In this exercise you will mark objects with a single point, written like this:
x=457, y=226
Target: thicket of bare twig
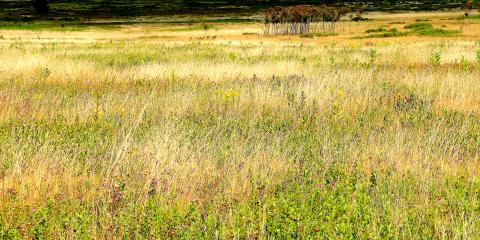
x=302, y=19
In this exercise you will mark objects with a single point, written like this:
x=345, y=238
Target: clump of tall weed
x=407, y=105
x=285, y=83
x=296, y=101
x=402, y=98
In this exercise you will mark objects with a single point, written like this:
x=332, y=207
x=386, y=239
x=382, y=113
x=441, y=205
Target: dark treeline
x=106, y=8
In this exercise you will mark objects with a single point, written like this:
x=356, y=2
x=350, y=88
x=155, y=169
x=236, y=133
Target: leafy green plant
x=477, y=55
x=232, y=56
x=372, y=54
x=464, y=63
x=435, y=58
x=45, y=73
x=332, y=60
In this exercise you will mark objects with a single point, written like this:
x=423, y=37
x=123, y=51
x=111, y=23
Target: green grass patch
x=419, y=29
x=422, y=20
x=426, y=29
x=322, y=34
x=374, y=30
x=385, y=34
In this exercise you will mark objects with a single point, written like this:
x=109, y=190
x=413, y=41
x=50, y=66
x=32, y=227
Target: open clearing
x=168, y=130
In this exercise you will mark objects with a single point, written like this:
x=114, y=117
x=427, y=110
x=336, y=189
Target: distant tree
x=468, y=5
x=41, y=6
x=302, y=19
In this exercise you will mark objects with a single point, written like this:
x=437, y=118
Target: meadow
x=207, y=129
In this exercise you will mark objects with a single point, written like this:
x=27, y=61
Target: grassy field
x=165, y=130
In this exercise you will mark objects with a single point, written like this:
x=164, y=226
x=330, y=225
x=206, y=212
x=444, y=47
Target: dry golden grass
x=108, y=123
